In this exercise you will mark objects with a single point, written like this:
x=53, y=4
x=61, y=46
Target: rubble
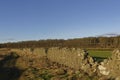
x=111, y=67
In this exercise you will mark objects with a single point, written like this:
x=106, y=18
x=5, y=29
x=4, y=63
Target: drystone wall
x=77, y=59
x=74, y=58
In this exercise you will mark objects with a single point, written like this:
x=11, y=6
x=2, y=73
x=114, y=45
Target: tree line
x=88, y=42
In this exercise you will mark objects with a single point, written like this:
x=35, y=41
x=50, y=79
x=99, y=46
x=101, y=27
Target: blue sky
x=57, y=19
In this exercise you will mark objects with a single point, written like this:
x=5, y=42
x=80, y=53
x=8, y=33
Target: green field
x=100, y=55
x=103, y=54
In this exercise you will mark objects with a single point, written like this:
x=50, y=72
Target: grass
x=100, y=55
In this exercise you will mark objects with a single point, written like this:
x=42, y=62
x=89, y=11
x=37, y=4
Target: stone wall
x=77, y=59
x=74, y=58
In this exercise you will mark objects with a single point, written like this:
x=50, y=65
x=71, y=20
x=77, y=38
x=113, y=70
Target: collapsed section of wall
x=111, y=67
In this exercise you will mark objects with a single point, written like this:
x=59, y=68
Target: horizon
x=108, y=35
x=64, y=19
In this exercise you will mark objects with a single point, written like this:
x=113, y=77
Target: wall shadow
x=8, y=71
x=99, y=59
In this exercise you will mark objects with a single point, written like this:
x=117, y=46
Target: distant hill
x=109, y=35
